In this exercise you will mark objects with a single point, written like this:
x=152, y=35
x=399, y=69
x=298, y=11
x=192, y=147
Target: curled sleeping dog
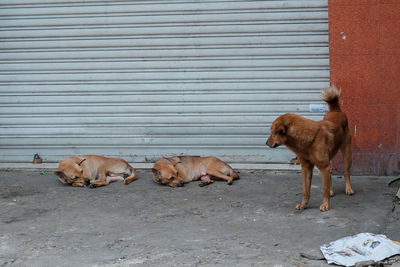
x=177, y=171
x=94, y=171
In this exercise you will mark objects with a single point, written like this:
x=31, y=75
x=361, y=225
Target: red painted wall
x=364, y=40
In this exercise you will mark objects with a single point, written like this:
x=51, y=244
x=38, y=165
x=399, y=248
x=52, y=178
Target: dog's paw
x=331, y=193
x=324, y=207
x=92, y=186
x=349, y=191
x=301, y=206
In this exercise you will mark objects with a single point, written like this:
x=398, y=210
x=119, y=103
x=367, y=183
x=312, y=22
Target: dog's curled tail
x=331, y=96
x=133, y=176
x=234, y=175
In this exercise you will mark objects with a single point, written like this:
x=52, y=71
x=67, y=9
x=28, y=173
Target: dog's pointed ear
x=281, y=130
x=156, y=173
x=61, y=176
x=175, y=160
x=81, y=161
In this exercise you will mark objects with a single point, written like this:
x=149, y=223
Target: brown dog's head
x=70, y=171
x=278, y=133
x=165, y=173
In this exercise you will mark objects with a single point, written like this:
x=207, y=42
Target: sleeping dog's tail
x=331, y=97
x=132, y=177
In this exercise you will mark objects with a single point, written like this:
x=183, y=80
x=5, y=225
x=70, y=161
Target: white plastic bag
x=349, y=250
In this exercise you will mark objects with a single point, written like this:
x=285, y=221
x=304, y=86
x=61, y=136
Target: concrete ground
x=251, y=223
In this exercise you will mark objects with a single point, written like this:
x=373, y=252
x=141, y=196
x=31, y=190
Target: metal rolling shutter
x=145, y=79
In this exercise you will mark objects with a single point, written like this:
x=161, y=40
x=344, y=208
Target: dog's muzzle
x=274, y=145
x=180, y=184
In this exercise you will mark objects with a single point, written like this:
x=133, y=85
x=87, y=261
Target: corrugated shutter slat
x=146, y=79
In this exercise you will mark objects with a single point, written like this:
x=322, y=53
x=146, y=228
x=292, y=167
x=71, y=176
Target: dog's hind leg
x=331, y=193
x=347, y=158
x=114, y=178
x=219, y=174
x=306, y=175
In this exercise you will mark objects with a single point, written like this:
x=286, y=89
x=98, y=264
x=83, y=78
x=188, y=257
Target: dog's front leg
x=98, y=183
x=306, y=175
x=77, y=184
x=99, y=179
x=326, y=187
x=183, y=178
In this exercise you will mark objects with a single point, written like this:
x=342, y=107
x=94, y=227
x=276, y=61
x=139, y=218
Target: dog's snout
x=268, y=143
x=274, y=145
x=271, y=143
x=180, y=184
x=87, y=181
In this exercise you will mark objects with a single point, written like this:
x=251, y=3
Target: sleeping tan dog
x=177, y=171
x=94, y=171
x=315, y=144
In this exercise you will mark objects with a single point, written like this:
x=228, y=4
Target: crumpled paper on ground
x=349, y=250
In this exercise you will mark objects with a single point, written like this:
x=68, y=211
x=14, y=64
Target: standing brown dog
x=177, y=171
x=94, y=171
x=315, y=144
